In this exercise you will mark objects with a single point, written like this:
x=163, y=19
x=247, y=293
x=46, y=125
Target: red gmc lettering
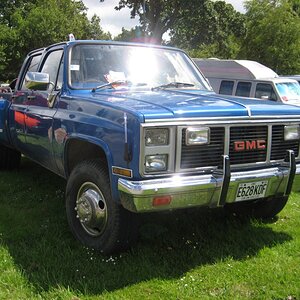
x=249, y=145
x=239, y=146
x=261, y=144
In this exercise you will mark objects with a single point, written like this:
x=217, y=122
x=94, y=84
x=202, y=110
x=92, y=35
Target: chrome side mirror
x=37, y=81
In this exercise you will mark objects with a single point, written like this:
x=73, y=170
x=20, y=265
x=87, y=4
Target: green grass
x=198, y=254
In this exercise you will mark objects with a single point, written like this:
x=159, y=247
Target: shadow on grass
x=35, y=231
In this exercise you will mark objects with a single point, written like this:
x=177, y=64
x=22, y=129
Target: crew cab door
x=19, y=104
x=40, y=112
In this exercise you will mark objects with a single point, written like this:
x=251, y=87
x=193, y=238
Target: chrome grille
x=201, y=156
x=279, y=145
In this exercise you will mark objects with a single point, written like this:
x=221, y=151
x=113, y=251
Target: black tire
x=9, y=158
x=259, y=209
x=95, y=219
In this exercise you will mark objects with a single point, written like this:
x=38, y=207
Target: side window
x=243, y=89
x=265, y=91
x=226, y=87
x=32, y=67
x=51, y=66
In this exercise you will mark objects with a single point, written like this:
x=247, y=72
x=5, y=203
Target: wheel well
x=78, y=151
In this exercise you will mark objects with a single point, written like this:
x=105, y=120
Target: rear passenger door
x=40, y=115
x=19, y=104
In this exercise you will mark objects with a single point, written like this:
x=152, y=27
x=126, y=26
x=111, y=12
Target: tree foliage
x=27, y=25
x=96, y=32
x=156, y=16
x=268, y=32
x=273, y=34
x=193, y=24
x=135, y=34
x=209, y=28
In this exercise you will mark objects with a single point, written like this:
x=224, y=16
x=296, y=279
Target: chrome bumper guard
x=215, y=189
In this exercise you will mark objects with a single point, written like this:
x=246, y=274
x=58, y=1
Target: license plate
x=251, y=190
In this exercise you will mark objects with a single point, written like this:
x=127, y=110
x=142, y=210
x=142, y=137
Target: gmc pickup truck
x=135, y=128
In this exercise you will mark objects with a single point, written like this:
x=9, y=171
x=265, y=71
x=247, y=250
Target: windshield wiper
x=117, y=83
x=173, y=84
x=109, y=85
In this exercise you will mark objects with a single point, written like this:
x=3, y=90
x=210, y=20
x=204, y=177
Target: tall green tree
x=96, y=32
x=156, y=16
x=273, y=34
x=8, y=7
x=209, y=28
x=192, y=23
x=38, y=23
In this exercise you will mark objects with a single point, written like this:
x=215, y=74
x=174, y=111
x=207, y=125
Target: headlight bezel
x=155, y=133
x=167, y=148
x=198, y=131
x=159, y=158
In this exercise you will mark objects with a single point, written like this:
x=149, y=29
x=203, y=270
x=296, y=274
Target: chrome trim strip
x=178, y=148
x=227, y=140
x=212, y=120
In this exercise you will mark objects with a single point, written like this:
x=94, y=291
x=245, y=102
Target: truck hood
x=169, y=104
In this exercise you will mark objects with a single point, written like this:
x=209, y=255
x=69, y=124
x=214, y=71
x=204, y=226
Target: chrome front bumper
x=215, y=189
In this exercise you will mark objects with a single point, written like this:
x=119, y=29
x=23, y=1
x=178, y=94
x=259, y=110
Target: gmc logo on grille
x=249, y=145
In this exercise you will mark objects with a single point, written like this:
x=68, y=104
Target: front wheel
x=259, y=209
x=95, y=219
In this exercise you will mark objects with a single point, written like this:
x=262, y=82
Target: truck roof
x=233, y=69
x=109, y=42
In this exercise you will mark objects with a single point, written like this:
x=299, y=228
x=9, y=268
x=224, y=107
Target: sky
x=113, y=20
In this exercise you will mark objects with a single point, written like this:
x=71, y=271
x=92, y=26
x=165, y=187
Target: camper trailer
x=246, y=78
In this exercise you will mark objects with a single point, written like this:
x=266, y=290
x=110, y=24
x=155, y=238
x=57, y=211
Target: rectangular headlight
x=156, y=163
x=197, y=136
x=291, y=132
x=157, y=136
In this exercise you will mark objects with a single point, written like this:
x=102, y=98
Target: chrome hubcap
x=91, y=209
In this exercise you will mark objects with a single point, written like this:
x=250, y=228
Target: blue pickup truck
x=135, y=128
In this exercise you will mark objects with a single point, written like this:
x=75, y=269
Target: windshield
x=93, y=65
x=289, y=91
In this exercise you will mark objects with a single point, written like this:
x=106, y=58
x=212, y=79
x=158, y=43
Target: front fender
x=81, y=147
